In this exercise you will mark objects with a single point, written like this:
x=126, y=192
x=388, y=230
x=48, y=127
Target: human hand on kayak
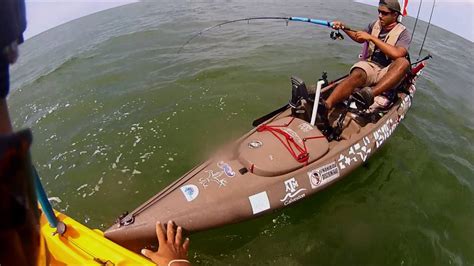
x=172, y=250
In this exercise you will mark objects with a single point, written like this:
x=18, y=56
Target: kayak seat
x=269, y=152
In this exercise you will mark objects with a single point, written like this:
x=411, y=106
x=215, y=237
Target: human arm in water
x=172, y=250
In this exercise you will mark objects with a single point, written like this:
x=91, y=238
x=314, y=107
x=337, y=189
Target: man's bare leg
x=5, y=123
x=356, y=79
x=396, y=72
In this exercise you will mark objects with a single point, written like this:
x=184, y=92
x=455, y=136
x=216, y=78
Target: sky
x=46, y=14
x=453, y=15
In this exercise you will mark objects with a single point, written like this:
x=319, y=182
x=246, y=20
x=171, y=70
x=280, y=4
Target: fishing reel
x=336, y=35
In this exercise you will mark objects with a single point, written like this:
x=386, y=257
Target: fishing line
x=416, y=21
x=427, y=28
x=223, y=23
x=334, y=35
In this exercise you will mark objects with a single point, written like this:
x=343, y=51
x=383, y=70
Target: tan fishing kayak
x=280, y=162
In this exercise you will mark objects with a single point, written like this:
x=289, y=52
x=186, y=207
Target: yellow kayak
x=80, y=245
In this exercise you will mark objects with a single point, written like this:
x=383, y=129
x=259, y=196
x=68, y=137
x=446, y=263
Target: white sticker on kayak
x=259, y=202
x=384, y=132
x=190, y=192
x=323, y=174
x=360, y=151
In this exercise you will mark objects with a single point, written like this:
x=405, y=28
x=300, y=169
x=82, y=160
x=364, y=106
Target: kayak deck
x=80, y=245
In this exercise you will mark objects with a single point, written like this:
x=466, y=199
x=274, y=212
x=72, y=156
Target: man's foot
x=322, y=118
x=363, y=98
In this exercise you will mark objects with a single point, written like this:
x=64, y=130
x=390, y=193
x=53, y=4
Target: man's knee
x=402, y=64
x=359, y=75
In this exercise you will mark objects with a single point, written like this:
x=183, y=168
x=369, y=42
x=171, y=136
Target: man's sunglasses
x=384, y=13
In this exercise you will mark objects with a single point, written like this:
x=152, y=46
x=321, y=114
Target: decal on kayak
x=213, y=177
x=226, y=168
x=259, y=202
x=293, y=134
x=190, y=192
x=358, y=151
x=404, y=106
x=384, y=132
x=305, y=127
x=323, y=174
x=292, y=192
x=254, y=144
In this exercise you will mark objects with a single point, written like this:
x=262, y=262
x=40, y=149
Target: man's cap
x=391, y=4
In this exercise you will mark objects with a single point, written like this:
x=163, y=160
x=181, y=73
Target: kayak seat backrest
x=264, y=152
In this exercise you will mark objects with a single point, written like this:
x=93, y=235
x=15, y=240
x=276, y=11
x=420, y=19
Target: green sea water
x=117, y=115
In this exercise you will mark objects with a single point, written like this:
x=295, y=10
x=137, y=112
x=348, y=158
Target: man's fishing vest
x=391, y=38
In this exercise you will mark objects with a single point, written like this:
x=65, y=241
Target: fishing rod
x=427, y=28
x=335, y=35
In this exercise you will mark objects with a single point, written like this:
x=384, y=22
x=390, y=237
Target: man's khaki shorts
x=374, y=72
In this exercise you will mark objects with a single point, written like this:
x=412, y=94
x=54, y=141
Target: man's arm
x=393, y=52
x=338, y=25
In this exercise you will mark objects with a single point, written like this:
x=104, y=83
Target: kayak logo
x=190, y=192
x=255, y=144
x=292, y=192
x=323, y=174
x=226, y=168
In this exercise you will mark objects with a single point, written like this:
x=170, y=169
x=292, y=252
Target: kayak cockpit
x=282, y=146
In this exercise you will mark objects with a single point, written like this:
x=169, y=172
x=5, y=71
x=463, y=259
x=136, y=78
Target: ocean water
x=117, y=115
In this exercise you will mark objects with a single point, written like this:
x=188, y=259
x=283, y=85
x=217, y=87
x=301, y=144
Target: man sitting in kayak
x=385, y=65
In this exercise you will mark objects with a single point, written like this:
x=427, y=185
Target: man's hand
x=358, y=36
x=362, y=36
x=338, y=25
x=171, y=246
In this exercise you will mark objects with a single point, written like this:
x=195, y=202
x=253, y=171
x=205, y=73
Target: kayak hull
x=241, y=183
